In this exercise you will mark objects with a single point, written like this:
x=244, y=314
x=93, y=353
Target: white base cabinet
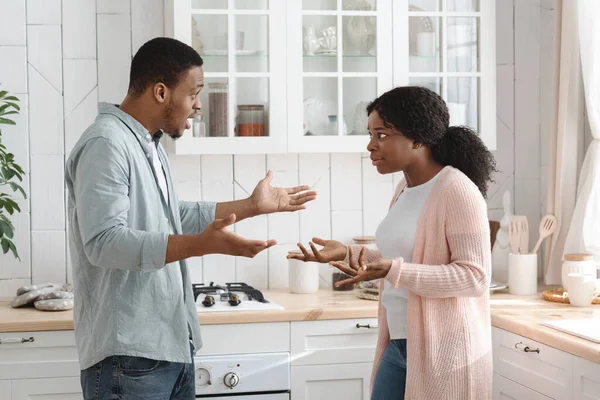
x=334, y=381
x=528, y=370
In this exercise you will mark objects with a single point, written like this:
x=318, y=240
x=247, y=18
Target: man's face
x=182, y=103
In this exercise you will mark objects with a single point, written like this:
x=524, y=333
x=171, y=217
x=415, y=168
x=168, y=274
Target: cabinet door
x=449, y=47
x=505, y=389
x=542, y=368
x=338, y=341
x=244, y=99
x=47, y=389
x=331, y=382
x=339, y=59
x=586, y=379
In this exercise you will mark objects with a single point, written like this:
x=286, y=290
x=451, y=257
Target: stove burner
x=227, y=293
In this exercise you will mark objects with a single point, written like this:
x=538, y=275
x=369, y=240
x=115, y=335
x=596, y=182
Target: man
x=135, y=318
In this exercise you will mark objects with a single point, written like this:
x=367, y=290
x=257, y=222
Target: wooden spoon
x=513, y=235
x=547, y=228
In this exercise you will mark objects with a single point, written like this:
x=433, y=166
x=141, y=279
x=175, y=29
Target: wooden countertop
x=521, y=315
x=323, y=305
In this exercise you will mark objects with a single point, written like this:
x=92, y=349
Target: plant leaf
x=7, y=228
x=7, y=121
x=5, y=245
x=3, y=93
x=11, y=98
x=16, y=187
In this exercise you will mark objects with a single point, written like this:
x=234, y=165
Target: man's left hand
x=267, y=199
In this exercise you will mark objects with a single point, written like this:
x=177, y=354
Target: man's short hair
x=161, y=60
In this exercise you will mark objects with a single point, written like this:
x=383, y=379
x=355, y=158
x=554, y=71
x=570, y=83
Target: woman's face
x=390, y=150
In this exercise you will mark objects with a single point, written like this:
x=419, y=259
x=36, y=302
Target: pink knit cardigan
x=449, y=344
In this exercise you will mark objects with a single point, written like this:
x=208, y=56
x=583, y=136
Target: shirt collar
x=133, y=124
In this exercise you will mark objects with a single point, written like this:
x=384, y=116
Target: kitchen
x=61, y=58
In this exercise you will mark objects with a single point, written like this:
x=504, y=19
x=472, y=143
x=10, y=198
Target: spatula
x=513, y=235
x=547, y=228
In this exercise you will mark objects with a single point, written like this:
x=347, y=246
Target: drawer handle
x=526, y=349
x=17, y=340
x=368, y=326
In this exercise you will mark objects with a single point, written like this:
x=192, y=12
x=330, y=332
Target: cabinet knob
x=17, y=340
x=526, y=349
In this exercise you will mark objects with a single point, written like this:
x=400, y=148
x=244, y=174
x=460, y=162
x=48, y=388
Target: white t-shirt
x=162, y=183
x=396, y=238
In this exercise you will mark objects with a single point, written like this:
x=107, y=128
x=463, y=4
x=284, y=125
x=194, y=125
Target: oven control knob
x=208, y=301
x=231, y=380
x=234, y=300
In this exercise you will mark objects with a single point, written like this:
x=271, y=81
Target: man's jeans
x=125, y=378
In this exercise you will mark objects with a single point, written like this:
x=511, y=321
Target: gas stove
x=234, y=296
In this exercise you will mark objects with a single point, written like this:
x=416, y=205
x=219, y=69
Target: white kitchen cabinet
x=505, y=389
x=315, y=64
x=243, y=49
x=337, y=341
x=586, y=379
x=335, y=381
x=539, y=367
x=68, y=388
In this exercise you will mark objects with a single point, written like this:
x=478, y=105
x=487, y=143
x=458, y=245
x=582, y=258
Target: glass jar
x=218, y=93
x=365, y=241
x=251, y=120
x=198, y=126
x=583, y=264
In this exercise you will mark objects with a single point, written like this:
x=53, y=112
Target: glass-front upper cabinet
x=339, y=58
x=244, y=99
x=449, y=46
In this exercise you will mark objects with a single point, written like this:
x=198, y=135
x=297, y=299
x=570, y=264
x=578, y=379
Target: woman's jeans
x=390, y=381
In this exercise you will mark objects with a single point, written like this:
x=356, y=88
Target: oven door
x=267, y=396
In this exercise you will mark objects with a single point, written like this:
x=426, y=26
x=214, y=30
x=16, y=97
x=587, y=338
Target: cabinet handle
x=526, y=349
x=17, y=340
x=368, y=326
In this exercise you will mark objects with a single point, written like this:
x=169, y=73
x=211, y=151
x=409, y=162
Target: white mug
x=582, y=289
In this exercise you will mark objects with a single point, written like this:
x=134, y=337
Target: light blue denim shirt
x=127, y=301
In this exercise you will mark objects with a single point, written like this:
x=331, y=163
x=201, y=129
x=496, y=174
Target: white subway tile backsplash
x=284, y=227
x=16, y=137
x=47, y=193
x=253, y=271
x=113, y=6
x=278, y=266
x=114, y=56
x=12, y=27
x=44, y=12
x=346, y=225
x=45, y=116
x=147, y=22
x=196, y=269
x=80, y=119
x=218, y=268
x=504, y=32
x=316, y=220
x=217, y=178
x=48, y=256
x=79, y=29
x=8, y=287
x=185, y=168
x=44, y=53
x=188, y=190
x=13, y=68
x=346, y=192
x=11, y=267
x=81, y=78
x=377, y=192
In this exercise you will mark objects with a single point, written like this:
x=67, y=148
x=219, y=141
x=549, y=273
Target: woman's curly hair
x=422, y=115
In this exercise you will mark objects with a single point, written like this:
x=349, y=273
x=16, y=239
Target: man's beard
x=172, y=132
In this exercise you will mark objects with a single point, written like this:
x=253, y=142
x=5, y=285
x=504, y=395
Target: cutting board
x=588, y=328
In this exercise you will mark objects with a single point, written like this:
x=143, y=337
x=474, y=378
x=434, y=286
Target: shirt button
x=147, y=155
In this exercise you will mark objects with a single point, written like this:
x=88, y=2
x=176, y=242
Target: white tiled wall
x=61, y=56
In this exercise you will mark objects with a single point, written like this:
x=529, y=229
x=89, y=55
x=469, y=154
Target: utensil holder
x=522, y=273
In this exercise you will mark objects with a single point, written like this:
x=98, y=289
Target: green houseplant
x=10, y=173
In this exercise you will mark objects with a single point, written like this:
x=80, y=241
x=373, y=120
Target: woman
x=434, y=253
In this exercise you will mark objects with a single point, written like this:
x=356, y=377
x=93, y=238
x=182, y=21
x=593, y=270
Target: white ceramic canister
x=303, y=276
x=577, y=263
